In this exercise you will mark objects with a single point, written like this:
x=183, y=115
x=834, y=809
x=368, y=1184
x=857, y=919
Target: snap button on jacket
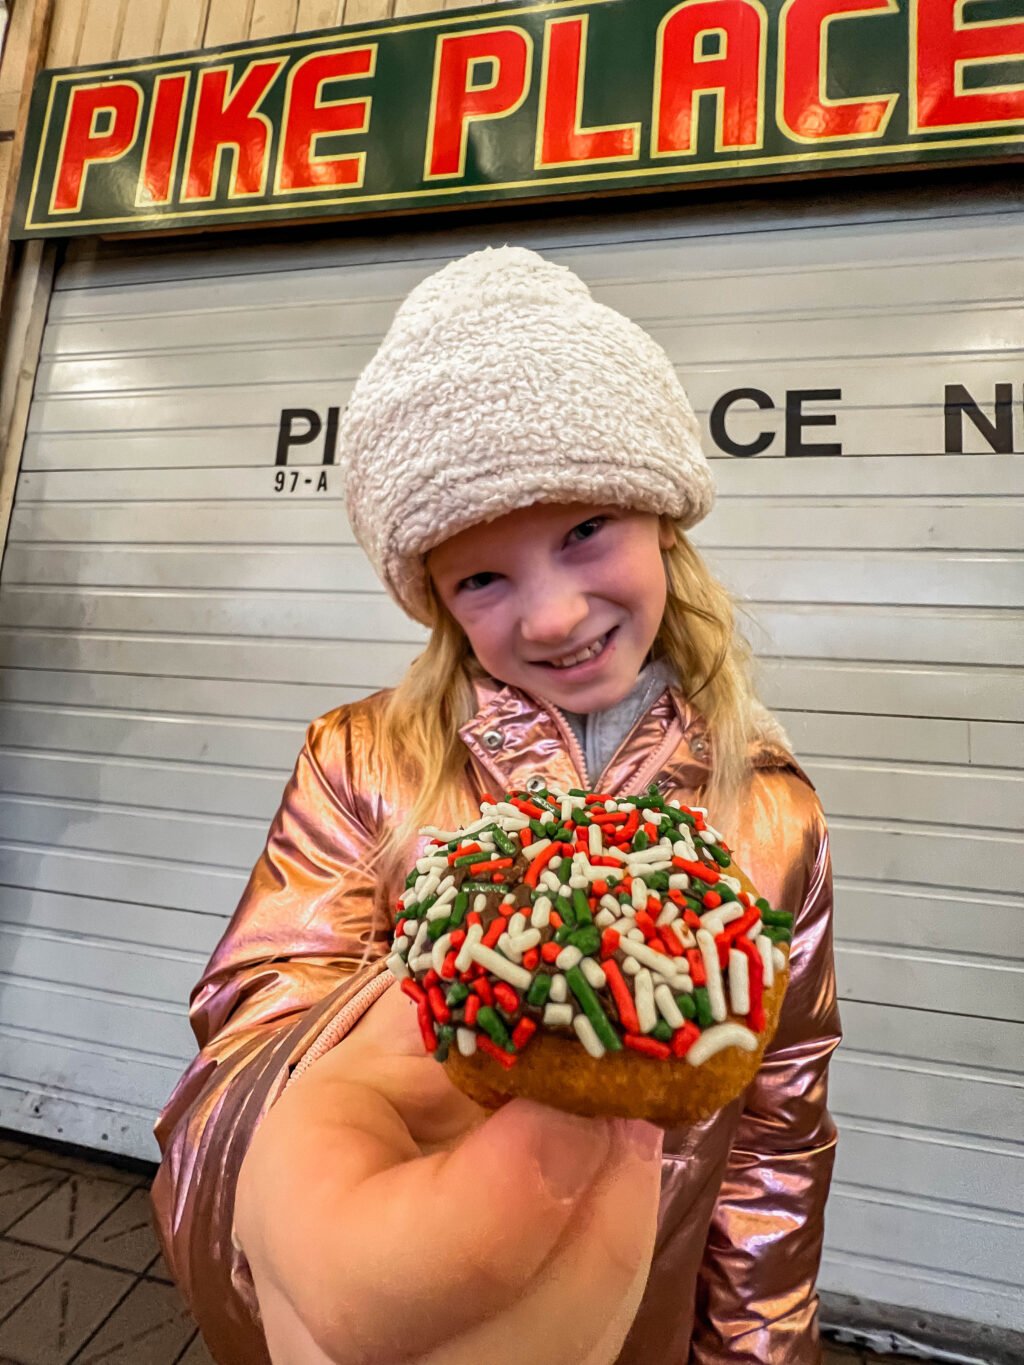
x=740, y=1220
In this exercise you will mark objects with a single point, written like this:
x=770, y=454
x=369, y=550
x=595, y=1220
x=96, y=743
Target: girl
x=521, y=464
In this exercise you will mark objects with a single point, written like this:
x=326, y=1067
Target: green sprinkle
x=581, y=906
x=780, y=918
x=540, y=988
x=564, y=907
x=726, y=892
x=564, y=870
x=656, y=881
x=473, y=887
x=640, y=840
x=587, y=938
x=583, y=820
x=445, y=1035
x=575, y=791
x=762, y=904
x=412, y=879
x=468, y=859
x=702, y=1003
x=494, y=1028
x=504, y=843
x=584, y=993
x=437, y=928
x=564, y=934
x=424, y=906
x=457, y=994
x=777, y=934
x=459, y=909
x=719, y=854
x=538, y=829
x=686, y=1006
x=662, y=1031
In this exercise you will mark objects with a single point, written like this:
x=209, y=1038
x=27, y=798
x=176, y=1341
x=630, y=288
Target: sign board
x=520, y=102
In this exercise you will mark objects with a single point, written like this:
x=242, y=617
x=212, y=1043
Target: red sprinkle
x=622, y=996
x=691, y=919
x=448, y=966
x=426, y=1026
x=506, y=1059
x=497, y=928
x=646, y=925
x=490, y=865
x=555, y=919
x=484, y=990
x=474, y=917
x=649, y=1047
x=722, y=944
x=539, y=863
x=739, y=927
x=473, y=1003
x=703, y=871
x=526, y=837
x=464, y=852
x=458, y=938
x=531, y=959
x=711, y=900
x=523, y=1032
x=599, y=889
x=431, y=978
x=549, y=951
x=506, y=997
x=610, y=941
x=671, y=940
x=413, y=990
x=598, y=799
x=438, y=1008
x=700, y=976
x=684, y=1038
x=755, y=1019
x=651, y=830
x=528, y=808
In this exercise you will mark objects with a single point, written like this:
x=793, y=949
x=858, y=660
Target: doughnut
x=603, y=955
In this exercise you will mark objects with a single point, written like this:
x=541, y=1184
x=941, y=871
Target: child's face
x=540, y=585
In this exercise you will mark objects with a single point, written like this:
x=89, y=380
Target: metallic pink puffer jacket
x=743, y=1193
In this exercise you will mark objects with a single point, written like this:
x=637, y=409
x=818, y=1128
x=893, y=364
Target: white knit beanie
x=501, y=383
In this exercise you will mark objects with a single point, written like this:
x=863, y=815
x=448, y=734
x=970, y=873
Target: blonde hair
x=697, y=636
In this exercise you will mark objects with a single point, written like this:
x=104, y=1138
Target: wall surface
x=169, y=620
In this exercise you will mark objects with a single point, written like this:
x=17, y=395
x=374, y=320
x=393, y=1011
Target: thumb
x=450, y=1240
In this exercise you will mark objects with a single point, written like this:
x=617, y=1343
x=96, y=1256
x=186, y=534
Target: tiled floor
x=81, y=1280
x=80, y=1276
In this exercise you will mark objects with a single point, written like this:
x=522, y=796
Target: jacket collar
x=517, y=737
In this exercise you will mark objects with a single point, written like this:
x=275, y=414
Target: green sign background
x=868, y=56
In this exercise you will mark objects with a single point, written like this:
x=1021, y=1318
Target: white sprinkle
x=643, y=856
x=507, y=899
x=474, y=934
x=611, y=807
x=523, y=942
x=397, y=964
x=669, y=915
x=716, y=920
x=541, y=916
x=652, y=817
x=537, y=848
x=566, y=810
x=565, y=891
x=440, y=951
x=716, y=990
x=578, y=882
x=480, y=902
x=594, y=973
x=667, y=1007
x=517, y=924
x=683, y=934
x=639, y=894
x=585, y=1033
x=631, y=966
x=559, y=989
x=609, y=902
x=515, y=975
x=552, y=883
x=683, y=983
x=466, y=1040
x=678, y=881
x=731, y=882
x=719, y=1036
x=603, y=918
x=754, y=929
x=739, y=982
x=507, y=949
x=683, y=848
x=779, y=958
x=594, y=841
x=616, y=853
x=419, y=940
x=764, y=947
x=568, y=957
x=636, y=935
x=556, y=1016
x=646, y=1011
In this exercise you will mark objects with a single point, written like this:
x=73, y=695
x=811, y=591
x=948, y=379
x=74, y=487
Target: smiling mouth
x=581, y=656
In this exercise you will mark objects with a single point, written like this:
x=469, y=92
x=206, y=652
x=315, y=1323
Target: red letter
x=735, y=72
x=160, y=153
x=561, y=139
x=941, y=45
x=223, y=120
x=307, y=117
x=807, y=113
x=458, y=101
x=83, y=145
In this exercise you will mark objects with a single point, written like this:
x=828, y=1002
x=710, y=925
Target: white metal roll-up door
x=169, y=622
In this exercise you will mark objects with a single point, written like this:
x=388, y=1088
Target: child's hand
x=386, y=1218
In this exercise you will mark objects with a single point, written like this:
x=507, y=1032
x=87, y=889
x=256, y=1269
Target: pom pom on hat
x=502, y=382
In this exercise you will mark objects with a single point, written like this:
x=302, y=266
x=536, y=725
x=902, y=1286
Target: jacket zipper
x=573, y=743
